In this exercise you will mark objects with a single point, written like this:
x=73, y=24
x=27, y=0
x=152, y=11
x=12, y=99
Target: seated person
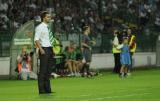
x=70, y=59
x=79, y=58
x=60, y=68
x=25, y=66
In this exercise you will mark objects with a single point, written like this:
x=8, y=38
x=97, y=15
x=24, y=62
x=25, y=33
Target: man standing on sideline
x=87, y=44
x=44, y=41
x=132, y=46
x=116, y=53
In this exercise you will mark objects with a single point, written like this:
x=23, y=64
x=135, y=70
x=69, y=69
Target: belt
x=47, y=47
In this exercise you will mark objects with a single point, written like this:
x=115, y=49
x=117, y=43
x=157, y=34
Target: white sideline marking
x=120, y=96
x=119, y=91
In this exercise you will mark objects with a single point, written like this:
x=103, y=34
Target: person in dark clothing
x=87, y=50
x=44, y=42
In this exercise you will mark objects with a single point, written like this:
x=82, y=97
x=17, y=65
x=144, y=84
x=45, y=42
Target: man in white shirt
x=43, y=42
x=116, y=53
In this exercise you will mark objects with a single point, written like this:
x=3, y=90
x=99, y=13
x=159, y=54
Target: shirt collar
x=44, y=24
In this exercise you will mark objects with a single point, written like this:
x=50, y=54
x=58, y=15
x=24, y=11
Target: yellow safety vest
x=115, y=50
x=56, y=47
x=130, y=43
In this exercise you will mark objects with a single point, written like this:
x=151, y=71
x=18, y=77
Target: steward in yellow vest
x=132, y=43
x=132, y=46
x=116, y=53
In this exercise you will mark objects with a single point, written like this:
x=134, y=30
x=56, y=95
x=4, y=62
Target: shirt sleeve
x=37, y=34
x=115, y=41
x=120, y=46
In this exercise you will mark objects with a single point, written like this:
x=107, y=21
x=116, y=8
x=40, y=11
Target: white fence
x=106, y=61
x=99, y=61
x=4, y=66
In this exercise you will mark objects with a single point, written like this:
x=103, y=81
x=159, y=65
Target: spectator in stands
x=157, y=19
x=3, y=6
x=25, y=66
x=70, y=15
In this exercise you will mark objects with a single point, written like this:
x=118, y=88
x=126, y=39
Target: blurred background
x=18, y=19
x=143, y=16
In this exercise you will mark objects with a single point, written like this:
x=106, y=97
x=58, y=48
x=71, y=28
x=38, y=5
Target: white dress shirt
x=42, y=34
x=115, y=41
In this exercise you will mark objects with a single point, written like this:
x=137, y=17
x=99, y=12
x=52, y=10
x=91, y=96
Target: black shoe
x=89, y=75
x=125, y=74
x=121, y=75
x=49, y=92
x=83, y=75
x=46, y=92
x=42, y=92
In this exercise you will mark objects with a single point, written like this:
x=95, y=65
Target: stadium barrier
x=99, y=61
x=158, y=52
x=5, y=67
x=106, y=61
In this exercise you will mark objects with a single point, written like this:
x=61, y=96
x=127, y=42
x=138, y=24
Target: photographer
x=25, y=66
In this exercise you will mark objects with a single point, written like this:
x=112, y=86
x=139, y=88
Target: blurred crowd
x=71, y=15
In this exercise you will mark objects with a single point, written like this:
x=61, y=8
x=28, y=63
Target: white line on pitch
x=120, y=96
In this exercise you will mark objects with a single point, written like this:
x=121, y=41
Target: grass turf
x=143, y=85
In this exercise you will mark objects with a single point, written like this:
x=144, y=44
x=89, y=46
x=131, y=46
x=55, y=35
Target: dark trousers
x=88, y=57
x=117, y=63
x=131, y=55
x=46, y=64
x=85, y=68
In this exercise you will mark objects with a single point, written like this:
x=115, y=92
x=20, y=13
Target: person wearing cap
x=116, y=52
x=44, y=41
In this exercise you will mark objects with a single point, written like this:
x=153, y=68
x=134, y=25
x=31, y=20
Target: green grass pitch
x=142, y=85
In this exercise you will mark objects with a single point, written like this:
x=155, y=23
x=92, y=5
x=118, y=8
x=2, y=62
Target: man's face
x=47, y=18
x=125, y=41
x=115, y=33
x=88, y=30
x=24, y=51
x=129, y=31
